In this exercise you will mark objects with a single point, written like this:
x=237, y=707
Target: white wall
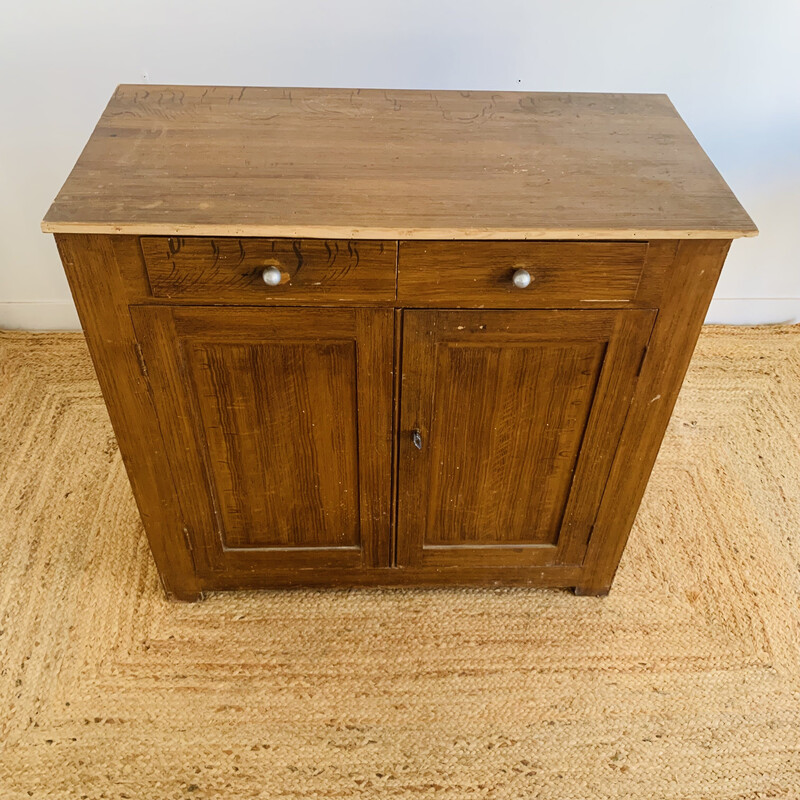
x=731, y=68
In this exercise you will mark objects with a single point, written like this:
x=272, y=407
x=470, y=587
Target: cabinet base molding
x=545, y=577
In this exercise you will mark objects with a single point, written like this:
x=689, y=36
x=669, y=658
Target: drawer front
x=558, y=274
x=252, y=271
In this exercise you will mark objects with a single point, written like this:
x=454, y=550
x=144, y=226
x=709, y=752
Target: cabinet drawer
x=234, y=270
x=481, y=273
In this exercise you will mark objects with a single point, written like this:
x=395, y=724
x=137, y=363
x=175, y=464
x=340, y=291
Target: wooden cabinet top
x=374, y=164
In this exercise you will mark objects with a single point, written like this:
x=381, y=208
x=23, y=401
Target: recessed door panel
x=279, y=429
x=504, y=461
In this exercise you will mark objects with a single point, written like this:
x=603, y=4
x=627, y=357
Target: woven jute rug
x=683, y=683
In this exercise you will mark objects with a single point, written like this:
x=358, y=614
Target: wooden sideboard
x=390, y=337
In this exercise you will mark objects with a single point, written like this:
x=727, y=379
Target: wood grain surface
x=342, y=163
x=693, y=278
x=238, y=426
x=277, y=424
x=93, y=268
x=518, y=413
x=229, y=270
x=563, y=274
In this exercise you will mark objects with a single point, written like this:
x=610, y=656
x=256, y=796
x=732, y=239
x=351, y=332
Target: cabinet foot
x=592, y=591
x=183, y=596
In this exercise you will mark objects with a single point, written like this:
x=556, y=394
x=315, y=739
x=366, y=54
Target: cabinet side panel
x=92, y=266
x=692, y=279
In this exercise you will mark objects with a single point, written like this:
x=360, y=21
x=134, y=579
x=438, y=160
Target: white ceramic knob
x=522, y=278
x=271, y=276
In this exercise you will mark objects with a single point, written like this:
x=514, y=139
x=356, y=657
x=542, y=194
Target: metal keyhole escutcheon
x=416, y=438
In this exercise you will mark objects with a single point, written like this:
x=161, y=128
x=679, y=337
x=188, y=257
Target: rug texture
x=683, y=683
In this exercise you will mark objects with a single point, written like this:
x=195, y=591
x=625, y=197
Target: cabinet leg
x=182, y=591
x=592, y=591
x=184, y=597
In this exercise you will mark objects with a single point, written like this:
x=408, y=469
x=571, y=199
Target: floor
x=683, y=683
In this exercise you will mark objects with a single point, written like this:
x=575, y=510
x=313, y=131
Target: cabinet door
x=509, y=424
x=277, y=425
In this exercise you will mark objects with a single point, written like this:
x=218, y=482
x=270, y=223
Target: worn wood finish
x=92, y=267
x=186, y=338
x=693, y=277
x=229, y=270
x=563, y=274
x=559, y=576
x=279, y=424
x=517, y=412
x=373, y=164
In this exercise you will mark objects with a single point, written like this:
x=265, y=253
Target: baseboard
x=753, y=311
x=723, y=311
x=39, y=316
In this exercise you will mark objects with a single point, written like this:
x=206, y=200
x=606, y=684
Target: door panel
x=279, y=422
x=506, y=456
x=517, y=412
x=281, y=440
